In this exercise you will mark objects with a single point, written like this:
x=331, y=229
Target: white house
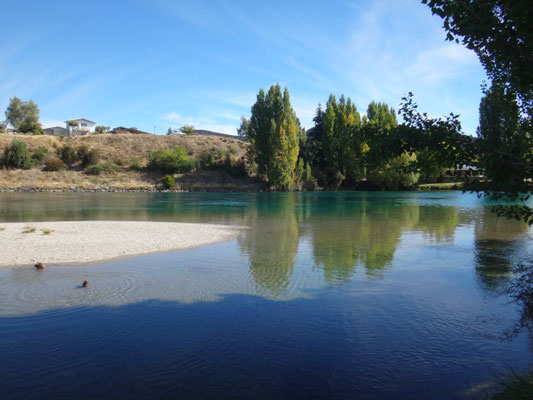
x=84, y=127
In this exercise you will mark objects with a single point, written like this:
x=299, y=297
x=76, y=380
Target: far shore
x=88, y=242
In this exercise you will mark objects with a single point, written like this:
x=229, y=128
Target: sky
x=155, y=64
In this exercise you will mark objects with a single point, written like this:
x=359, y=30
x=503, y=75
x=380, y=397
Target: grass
x=46, y=231
x=441, y=186
x=29, y=229
x=132, y=151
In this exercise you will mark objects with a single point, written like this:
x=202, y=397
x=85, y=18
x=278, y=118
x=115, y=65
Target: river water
x=323, y=295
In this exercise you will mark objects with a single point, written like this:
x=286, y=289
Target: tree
x=187, y=129
x=273, y=132
x=341, y=142
x=380, y=113
x=503, y=140
x=501, y=34
x=101, y=128
x=23, y=115
x=73, y=124
x=169, y=131
x=242, y=131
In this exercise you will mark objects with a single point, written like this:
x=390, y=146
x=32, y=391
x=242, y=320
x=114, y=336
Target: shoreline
x=93, y=242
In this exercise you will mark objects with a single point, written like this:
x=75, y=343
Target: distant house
x=84, y=127
x=57, y=131
x=134, y=131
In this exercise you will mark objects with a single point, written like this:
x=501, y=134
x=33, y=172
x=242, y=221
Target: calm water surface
x=325, y=295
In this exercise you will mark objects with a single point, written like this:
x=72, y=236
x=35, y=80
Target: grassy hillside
x=129, y=155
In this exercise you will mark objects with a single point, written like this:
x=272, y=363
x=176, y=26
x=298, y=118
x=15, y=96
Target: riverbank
x=85, y=242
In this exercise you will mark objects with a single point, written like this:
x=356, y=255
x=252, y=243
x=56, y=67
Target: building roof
x=81, y=119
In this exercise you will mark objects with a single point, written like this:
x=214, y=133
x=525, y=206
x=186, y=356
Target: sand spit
x=85, y=242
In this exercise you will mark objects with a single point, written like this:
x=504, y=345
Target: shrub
x=82, y=150
x=39, y=154
x=171, y=161
x=54, y=164
x=88, y=156
x=207, y=160
x=395, y=175
x=168, y=181
x=97, y=169
x=16, y=155
x=134, y=164
x=68, y=155
x=233, y=166
x=119, y=161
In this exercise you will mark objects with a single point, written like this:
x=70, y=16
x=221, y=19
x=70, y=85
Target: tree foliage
x=501, y=34
x=187, y=129
x=101, y=128
x=23, y=115
x=273, y=132
x=503, y=142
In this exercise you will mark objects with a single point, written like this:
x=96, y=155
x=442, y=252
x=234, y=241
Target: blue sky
x=161, y=63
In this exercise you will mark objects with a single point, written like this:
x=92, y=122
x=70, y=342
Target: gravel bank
x=85, y=242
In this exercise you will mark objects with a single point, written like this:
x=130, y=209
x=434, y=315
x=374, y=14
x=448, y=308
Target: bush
x=334, y=178
x=171, y=161
x=16, y=155
x=207, y=160
x=97, y=169
x=168, y=181
x=68, y=155
x=88, y=156
x=54, y=164
x=39, y=154
x=233, y=166
x=134, y=164
x=395, y=175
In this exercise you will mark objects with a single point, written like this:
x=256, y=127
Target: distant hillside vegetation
x=211, y=133
x=219, y=162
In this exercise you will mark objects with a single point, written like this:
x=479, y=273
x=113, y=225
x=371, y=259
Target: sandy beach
x=85, y=242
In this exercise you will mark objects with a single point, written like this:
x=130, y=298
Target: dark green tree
x=273, y=132
x=503, y=139
x=242, y=130
x=342, y=142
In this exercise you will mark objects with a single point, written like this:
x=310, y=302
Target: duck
x=85, y=284
x=39, y=265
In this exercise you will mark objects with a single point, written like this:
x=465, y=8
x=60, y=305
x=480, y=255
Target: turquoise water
x=324, y=295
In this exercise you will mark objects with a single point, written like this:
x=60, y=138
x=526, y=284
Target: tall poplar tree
x=273, y=132
x=341, y=140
